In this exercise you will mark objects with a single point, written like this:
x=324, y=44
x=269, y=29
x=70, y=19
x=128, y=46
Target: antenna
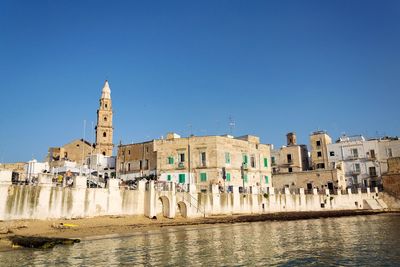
x=190, y=129
x=232, y=125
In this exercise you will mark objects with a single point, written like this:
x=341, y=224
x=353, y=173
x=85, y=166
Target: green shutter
x=182, y=178
x=170, y=160
x=265, y=162
x=228, y=177
x=203, y=177
x=227, y=157
x=245, y=178
x=169, y=177
x=245, y=159
x=266, y=179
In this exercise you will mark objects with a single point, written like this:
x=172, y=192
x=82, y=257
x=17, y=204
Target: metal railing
x=189, y=198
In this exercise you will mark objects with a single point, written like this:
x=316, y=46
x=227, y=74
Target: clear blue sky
x=273, y=67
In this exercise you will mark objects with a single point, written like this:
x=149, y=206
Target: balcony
x=353, y=173
x=181, y=165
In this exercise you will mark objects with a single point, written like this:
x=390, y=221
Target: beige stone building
x=290, y=158
x=391, y=179
x=77, y=151
x=200, y=160
x=17, y=169
x=322, y=179
x=319, y=152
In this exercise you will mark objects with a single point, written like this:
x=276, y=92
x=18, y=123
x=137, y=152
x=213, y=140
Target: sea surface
x=348, y=241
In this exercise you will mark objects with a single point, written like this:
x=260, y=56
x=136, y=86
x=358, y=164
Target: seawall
x=46, y=201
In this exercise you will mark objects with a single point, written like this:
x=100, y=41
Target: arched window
x=104, y=153
x=105, y=105
x=105, y=118
x=104, y=134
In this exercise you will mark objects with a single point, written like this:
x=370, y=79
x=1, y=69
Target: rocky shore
x=89, y=228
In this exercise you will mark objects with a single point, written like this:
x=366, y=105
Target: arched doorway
x=163, y=206
x=181, y=209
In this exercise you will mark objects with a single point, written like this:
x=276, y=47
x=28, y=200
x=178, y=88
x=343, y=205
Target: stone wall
x=45, y=201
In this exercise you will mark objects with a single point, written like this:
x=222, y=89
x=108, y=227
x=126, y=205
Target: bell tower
x=104, y=127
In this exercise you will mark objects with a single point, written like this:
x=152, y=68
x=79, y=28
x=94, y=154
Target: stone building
x=391, y=179
x=331, y=179
x=17, y=169
x=290, y=158
x=76, y=151
x=319, y=141
x=200, y=160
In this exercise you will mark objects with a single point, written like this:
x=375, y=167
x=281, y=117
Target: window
x=228, y=177
x=290, y=170
x=266, y=179
x=227, y=158
x=129, y=167
x=320, y=165
x=289, y=158
x=372, y=153
x=105, y=118
x=357, y=167
x=129, y=152
x=169, y=178
x=319, y=154
x=372, y=171
x=203, y=159
x=265, y=162
x=245, y=178
x=181, y=157
x=203, y=177
x=181, y=178
x=104, y=134
x=170, y=160
x=105, y=105
x=253, y=161
x=272, y=160
x=318, y=143
x=332, y=153
x=245, y=159
x=354, y=152
x=147, y=149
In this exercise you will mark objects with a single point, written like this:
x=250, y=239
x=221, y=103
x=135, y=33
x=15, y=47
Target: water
x=348, y=241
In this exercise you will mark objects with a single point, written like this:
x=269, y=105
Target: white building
x=364, y=161
x=33, y=168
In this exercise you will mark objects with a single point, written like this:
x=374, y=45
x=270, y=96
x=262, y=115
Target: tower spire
x=106, y=92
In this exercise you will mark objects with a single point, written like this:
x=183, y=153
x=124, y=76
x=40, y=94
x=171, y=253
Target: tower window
x=105, y=118
x=104, y=153
x=104, y=134
x=105, y=105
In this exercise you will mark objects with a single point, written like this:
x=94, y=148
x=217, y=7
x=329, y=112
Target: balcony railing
x=181, y=165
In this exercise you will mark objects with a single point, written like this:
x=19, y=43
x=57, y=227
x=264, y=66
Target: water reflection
x=361, y=240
